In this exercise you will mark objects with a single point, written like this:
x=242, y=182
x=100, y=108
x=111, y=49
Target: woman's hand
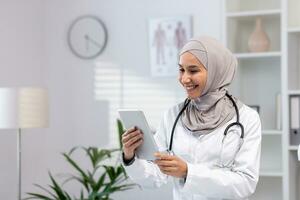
x=131, y=140
x=171, y=165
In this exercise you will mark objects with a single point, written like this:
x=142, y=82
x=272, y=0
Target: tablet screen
x=131, y=118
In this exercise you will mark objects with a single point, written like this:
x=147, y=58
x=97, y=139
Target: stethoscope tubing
x=186, y=103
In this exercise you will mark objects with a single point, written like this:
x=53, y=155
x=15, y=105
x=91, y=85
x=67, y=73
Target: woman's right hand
x=131, y=140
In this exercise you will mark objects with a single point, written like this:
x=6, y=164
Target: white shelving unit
x=292, y=180
x=294, y=92
x=271, y=132
x=253, y=13
x=294, y=30
x=261, y=77
x=258, y=55
x=293, y=148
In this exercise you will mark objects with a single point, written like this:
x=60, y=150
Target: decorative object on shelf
x=87, y=37
x=255, y=107
x=22, y=108
x=258, y=40
x=166, y=37
x=294, y=119
x=104, y=177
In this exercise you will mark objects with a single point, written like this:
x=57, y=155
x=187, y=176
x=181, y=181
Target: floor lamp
x=22, y=108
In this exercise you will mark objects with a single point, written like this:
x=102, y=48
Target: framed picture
x=166, y=38
x=255, y=107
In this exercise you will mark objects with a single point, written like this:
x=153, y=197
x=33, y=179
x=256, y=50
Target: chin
x=193, y=96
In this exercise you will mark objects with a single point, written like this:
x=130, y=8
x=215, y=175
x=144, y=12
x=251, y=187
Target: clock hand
x=93, y=41
x=86, y=37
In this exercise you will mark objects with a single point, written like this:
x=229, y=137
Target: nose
x=185, y=78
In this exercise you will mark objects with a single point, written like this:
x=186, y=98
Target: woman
x=206, y=164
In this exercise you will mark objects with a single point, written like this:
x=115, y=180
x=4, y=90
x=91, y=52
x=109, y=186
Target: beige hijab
x=212, y=109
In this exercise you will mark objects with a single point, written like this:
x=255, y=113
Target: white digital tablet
x=131, y=118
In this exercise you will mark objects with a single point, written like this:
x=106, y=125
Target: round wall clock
x=87, y=37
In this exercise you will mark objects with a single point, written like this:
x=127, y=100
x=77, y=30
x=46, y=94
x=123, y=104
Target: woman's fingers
x=168, y=169
x=171, y=165
x=137, y=144
x=130, y=134
x=133, y=140
x=166, y=163
x=163, y=156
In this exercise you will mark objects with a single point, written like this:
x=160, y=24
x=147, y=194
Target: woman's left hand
x=171, y=165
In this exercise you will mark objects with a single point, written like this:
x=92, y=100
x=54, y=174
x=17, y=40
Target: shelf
x=258, y=55
x=294, y=92
x=293, y=148
x=294, y=30
x=272, y=132
x=254, y=13
x=253, y=5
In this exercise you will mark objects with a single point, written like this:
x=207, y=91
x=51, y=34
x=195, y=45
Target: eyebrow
x=190, y=66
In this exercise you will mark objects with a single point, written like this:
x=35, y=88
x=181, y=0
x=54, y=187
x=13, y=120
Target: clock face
x=87, y=37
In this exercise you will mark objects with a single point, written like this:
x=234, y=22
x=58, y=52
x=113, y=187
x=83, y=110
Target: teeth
x=190, y=87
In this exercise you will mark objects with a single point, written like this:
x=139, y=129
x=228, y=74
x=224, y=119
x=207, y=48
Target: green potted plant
x=97, y=183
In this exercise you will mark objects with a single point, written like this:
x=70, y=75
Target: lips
x=191, y=87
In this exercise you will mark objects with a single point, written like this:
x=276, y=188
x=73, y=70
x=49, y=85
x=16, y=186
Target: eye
x=194, y=71
x=181, y=69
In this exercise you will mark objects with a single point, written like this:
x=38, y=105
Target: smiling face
x=192, y=75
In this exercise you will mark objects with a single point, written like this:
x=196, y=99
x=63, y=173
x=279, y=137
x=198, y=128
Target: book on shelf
x=295, y=119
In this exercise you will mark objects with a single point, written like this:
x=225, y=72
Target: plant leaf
x=73, y=149
x=80, y=180
x=81, y=195
x=59, y=191
x=121, y=130
x=100, y=182
x=85, y=178
x=37, y=196
x=46, y=190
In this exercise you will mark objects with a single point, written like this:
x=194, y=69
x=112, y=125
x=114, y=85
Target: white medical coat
x=207, y=177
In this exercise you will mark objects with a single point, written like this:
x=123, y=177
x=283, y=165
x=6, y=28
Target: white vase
x=258, y=40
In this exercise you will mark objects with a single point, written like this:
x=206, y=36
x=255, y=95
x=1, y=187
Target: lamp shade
x=24, y=107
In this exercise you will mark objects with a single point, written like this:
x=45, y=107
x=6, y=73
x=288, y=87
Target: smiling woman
x=217, y=138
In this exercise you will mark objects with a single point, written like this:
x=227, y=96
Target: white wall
x=36, y=53
x=21, y=64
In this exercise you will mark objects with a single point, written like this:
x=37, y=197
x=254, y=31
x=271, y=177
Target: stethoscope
x=237, y=123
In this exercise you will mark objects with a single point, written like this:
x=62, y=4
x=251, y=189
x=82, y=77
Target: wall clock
x=87, y=37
